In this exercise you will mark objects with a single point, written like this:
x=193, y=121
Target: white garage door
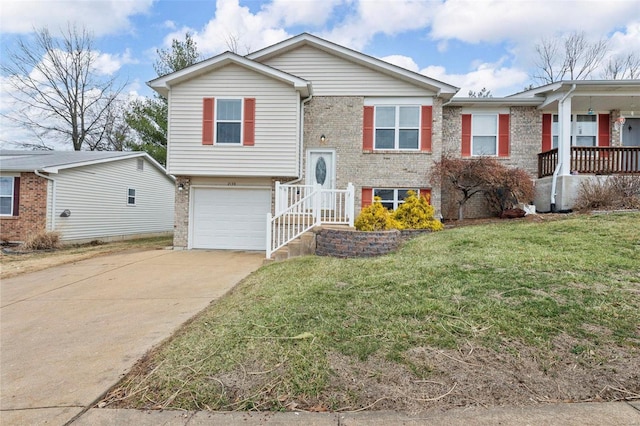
x=230, y=218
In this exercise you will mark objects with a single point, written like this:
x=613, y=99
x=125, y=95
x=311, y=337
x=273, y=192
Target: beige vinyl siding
x=335, y=76
x=96, y=196
x=277, y=125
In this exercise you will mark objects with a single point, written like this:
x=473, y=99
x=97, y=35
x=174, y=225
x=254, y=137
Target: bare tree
x=623, y=67
x=484, y=93
x=59, y=92
x=572, y=57
x=233, y=44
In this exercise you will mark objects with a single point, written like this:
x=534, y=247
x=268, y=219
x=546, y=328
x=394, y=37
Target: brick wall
x=181, y=221
x=340, y=119
x=32, y=213
x=525, y=144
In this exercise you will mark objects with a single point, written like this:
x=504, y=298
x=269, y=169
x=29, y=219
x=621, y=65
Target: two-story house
x=316, y=116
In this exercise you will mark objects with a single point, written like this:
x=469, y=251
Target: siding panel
x=335, y=76
x=96, y=196
x=275, y=149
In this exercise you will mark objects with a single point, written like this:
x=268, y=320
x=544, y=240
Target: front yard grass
x=501, y=314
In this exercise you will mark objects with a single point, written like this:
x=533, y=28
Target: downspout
x=53, y=197
x=299, y=178
x=554, y=179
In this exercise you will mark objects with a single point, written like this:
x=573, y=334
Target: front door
x=631, y=132
x=631, y=137
x=321, y=171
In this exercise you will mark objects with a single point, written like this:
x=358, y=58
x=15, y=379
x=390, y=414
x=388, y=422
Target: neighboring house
x=84, y=195
x=312, y=114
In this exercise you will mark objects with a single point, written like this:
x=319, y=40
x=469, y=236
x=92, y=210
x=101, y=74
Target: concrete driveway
x=70, y=332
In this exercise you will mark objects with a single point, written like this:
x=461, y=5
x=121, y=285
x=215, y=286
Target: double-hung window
x=392, y=198
x=584, y=130
x=6, y=195
x=131, y=197
x=397, y=127
x=228, y=121
x=484, y=129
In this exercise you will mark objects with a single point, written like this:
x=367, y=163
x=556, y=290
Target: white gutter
x=299, y=178
x=554, y=179
x=53, y=198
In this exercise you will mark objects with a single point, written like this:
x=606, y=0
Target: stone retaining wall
x=351, y=243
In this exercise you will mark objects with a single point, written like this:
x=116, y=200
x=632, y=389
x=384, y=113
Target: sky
x=471, y=44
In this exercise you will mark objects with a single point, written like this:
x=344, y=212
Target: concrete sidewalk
x=71, y=332
x=589, y=414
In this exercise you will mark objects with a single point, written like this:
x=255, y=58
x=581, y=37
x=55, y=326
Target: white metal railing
x=298, y=208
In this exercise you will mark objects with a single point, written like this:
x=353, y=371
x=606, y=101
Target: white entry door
x=321, y=170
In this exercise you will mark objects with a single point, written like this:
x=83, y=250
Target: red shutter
x=503, y=135
x=603, y=130
x=466, y=135
x=367, y=197
x=427, y=122
x=16, y=196
x=249, y=122
x=426, y=192
x=367, y=129
x=546, y=132
x=208, y=106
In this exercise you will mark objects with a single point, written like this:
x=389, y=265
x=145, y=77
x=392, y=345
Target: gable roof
x=163, y=84
x=305, y=39
x=54, y=161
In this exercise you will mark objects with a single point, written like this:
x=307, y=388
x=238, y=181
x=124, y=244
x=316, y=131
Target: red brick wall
x=32, y=213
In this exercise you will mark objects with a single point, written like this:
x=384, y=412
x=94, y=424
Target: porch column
x=564, y=136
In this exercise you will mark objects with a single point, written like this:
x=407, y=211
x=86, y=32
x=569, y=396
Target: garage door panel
x=230, y=218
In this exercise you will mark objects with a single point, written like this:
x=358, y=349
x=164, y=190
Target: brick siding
x=181, y=221
x=32, y=211
x=525, y=144
x=340, y=119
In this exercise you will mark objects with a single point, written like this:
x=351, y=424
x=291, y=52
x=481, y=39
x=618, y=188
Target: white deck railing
x=299, y=208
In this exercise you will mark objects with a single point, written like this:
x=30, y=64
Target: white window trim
x=396, y=136
x=395, y=101
x=573, y=120
x=13, y=186
x=497, y=135
x=135, y=197
x=396, y=202
x=216, y=121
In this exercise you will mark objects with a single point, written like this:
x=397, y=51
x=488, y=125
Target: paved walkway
x=592, y=414
x=71, y=332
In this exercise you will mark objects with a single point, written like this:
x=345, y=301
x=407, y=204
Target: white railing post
x=269, y=230
x=278, y=190
x=350, y=203
x=317, y=204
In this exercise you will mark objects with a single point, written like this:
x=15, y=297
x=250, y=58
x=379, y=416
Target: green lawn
x=538, y=301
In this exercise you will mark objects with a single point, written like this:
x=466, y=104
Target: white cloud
x=388, y=17
x=474, y=21
x=402, y=61
x=101, y=17
x=235, y=25
x=109, y=64
x=500, y=80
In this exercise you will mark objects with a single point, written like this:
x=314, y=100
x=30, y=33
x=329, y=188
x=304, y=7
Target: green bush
x=376, y=218
x=417, y=213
